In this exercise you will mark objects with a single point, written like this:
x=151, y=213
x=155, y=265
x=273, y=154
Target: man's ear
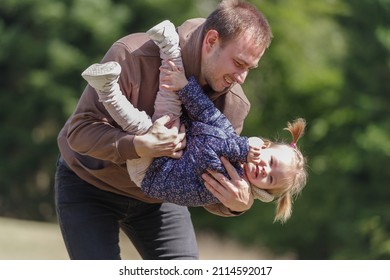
x=211, y=38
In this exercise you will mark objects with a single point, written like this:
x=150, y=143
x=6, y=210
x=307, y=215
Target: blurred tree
x=329, y=63
x=44, y=46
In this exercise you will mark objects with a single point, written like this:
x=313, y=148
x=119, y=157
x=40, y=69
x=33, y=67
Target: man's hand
x=161, y=140
x=235, y=194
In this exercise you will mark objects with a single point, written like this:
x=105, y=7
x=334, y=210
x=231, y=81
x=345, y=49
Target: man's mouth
x=228, y=80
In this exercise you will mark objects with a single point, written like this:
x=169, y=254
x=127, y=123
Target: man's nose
x=240, y=77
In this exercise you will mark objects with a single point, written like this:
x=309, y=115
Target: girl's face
x=273, y=167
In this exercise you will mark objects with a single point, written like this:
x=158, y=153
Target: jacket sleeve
x=201, y=108
x=235, y=150
x=235, y=106
x=92, y=131
x=221, y=210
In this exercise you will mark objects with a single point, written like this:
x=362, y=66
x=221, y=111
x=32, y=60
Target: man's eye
x=238, y=64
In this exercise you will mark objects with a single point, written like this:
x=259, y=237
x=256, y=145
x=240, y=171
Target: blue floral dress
x=210, y=135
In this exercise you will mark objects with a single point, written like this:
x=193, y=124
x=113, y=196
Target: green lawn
x=27, y=240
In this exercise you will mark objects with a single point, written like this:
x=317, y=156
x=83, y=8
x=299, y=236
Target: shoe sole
x=109, y=68
x=157, y=32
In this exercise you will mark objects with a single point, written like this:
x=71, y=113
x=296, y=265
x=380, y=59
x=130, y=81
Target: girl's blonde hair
x=296, y=180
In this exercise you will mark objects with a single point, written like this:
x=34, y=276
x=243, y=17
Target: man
x=94, y=195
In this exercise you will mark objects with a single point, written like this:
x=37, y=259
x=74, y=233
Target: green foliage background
x=329, y=62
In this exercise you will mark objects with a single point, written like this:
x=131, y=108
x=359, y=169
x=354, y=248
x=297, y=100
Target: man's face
x=224, y=66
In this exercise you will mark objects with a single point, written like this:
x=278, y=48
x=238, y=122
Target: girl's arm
x=199, y=107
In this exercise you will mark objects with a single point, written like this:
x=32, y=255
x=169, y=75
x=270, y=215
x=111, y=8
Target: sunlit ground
x=26, y=240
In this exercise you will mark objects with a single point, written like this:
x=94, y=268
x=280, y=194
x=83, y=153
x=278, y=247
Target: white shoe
x=102, y=76
x=165, y=36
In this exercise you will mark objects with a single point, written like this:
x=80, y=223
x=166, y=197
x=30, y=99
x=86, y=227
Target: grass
x=29, y=240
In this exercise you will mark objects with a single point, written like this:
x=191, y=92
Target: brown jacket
x=95, y=147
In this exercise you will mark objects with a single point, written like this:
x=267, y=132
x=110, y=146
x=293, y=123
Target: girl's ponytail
x=298, y=177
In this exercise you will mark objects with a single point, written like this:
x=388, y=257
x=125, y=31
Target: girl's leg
x=165, y=36
x=104, y=79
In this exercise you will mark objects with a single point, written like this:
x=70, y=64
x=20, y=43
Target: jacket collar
x=191, y=39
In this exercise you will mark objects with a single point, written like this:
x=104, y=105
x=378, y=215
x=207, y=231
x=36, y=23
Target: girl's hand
x=173, y=79
x=255, y=145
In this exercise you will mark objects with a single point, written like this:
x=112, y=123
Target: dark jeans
x=90, y=220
